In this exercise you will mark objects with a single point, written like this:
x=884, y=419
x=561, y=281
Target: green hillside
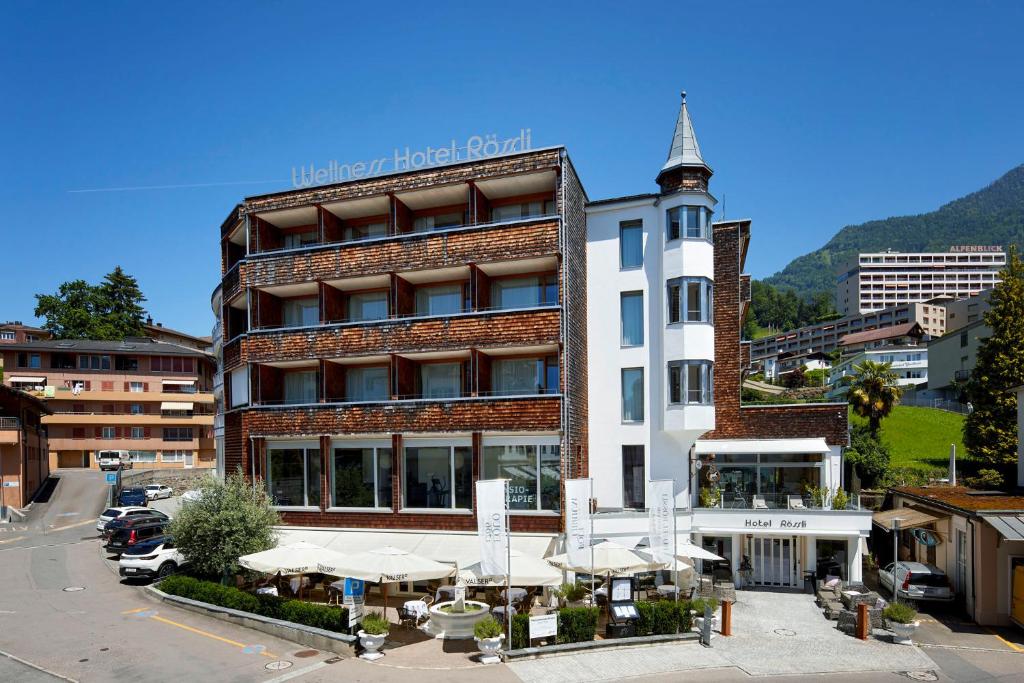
x=993, y=215
x=920, y=437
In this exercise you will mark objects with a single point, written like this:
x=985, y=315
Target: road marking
x=12, y=540
x=1004, y=641
x=295, y=674
x=237, y=644
x=36, y=667
x=136, y=610
x=72, y=526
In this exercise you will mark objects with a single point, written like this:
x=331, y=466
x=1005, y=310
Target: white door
x=774, y=561
x=188, y=460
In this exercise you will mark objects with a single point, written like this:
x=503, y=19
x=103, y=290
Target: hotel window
x=30, y=360
x=368, y=306
x=94, y=362
x=440, y=380
x=296, y=240
x=524, y=292
x=171, y=364
x=634, y=477
x=293, y=474
x=8, y=336
x=633, y=395
x=138, y=433
x=774, y=477
x=631, y=244
x=142, y=456
x=691, y=222
x=690, y=300
x=520, y=376
x=63, y=361
x=177, y=434
x=453, y=219
x=301, y=312
x=136, y=409
x=440, y=300
x=690, y=382
x=126, y=363
x=365, y=232
x=135, y=387
x=437, y=476
x=108, y=433
x=361, y=476
x=631, y=316
x=173, y=456
x=510, y=212
x=533, y=471
x=300, y=387
x=367, y=384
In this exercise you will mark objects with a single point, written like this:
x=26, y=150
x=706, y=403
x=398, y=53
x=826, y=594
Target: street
x=65, y=614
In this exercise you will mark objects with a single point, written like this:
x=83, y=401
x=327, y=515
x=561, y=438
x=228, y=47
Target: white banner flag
x=660, y=509
x=490, y=520
x=577, y=521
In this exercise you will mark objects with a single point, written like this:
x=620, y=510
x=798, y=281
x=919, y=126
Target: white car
x=191, y=496
x=151, y=559
x=916, y=581
x=155, y=491
x=119, y=512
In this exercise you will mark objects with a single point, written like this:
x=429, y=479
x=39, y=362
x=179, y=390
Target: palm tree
x=873, y=391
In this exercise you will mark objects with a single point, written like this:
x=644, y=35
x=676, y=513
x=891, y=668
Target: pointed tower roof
x=684, y=152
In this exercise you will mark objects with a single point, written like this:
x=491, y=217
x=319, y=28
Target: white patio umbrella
x=678, y=565
x=389, y=564
x=695, y=552
x=526, y=571
x=294, y=558
x=609, y=558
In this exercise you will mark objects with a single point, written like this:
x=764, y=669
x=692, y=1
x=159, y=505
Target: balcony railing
x=778, y=501
x=407, y=317
x=10, y=423
x=401, y=398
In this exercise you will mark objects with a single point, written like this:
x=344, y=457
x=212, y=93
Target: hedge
x=270, y=606
x=520, y=631
x=663, y=617
x=577, y=624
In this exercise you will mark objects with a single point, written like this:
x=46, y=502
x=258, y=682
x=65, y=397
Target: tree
x=228, y=519
x=990, y=431
x=867, y=455
x=796, y=378
x=873, y=392
x=111, y=310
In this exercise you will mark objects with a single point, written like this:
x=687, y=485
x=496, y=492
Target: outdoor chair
x=652, y=594
x=407, y=617
x=796, y=503
x=759, y=503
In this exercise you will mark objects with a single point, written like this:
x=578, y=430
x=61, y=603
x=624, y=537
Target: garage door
x=70, y=459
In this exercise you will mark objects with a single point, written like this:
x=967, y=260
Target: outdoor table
x=417, y=607
x=295, y=583
x=668, y=589
x=516, y=593
x=499, y=612
x=444, y=593
x=266, y=590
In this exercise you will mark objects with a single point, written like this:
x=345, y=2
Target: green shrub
x=645, y=612
x=899, y=612
x=520, y=631
x=699, y=603
x=571, y=592
x=685, y=618
x=488, y=627
x=577, y=624
x=375, y=624
x=664, y=617
x=308, y=614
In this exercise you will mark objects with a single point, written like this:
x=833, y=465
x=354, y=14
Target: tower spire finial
x=684, y=151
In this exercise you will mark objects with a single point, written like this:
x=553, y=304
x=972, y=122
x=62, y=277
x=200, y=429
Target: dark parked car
x=127, y=522
x=130, y=536
x=133, y=495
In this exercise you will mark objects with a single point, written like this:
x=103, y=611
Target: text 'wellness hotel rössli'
x=391, y=340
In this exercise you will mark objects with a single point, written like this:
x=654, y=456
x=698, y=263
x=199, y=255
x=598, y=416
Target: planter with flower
x=371, y=636
x=901, y=619
x=488, y=634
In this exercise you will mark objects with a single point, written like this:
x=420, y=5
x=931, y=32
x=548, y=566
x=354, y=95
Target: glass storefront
x=776, y=479
x=293, y=475
x=533, y=471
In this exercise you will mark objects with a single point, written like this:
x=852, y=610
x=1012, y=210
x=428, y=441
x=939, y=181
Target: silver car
x=916, y=581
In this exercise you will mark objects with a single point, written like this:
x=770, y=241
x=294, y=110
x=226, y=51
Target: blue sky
x=813, y=115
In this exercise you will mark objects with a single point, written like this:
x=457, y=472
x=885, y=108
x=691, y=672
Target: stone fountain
x=455, y=619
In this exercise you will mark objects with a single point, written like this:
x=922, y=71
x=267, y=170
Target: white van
x=113, y=460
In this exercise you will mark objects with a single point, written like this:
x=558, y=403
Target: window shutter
x=117, y=432
x=88, y=385
x=98, y=431
x=126, y=387
x=145, y=386
x=145, y=432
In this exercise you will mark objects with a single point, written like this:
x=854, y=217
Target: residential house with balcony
x=23, y=448
x=665, y=368
x=389, y=341
x=151, y=398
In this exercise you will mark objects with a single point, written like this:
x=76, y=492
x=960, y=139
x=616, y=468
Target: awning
x=176, y=405
x=461, y=549
x=178, y=382
x=761, y=446
x=907, y=517
x=30, y=380
x=1010, y=527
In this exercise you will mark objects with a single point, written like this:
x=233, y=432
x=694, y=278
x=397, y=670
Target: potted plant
x=901, y=619
x=372, y=634
x=840, y=500
x=697, y=612
x=571, y=594
x=488, y=634
x=710, y=496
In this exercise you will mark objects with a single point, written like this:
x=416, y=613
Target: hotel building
x=870, y=282
x=147, y=397
x=388, y=341
x=23, y=465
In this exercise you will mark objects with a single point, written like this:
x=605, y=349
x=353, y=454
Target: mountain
x=993, y=215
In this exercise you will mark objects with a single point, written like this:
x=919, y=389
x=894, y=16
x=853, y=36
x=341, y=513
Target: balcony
x=10, y=430
x=773, y=501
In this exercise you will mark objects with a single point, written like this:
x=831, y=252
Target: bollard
x=726, y=618
x=863, y=621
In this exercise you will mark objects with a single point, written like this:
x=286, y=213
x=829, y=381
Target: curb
x=327, y=641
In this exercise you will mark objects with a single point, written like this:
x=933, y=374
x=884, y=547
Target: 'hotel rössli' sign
x=476, y=147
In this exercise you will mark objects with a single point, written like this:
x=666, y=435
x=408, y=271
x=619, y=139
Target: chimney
x=149, y=320
x=159, y=324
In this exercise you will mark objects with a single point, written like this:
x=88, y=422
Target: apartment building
x=963, y=312
x=158, y=332
x=16, y=332
x=786, y=351
x=665, y=368
x=23, y=448
x=389, y=341
x=148, y=397
x=217, y=339
x=874, y=281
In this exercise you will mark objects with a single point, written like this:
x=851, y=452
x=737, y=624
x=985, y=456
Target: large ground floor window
x=293, y=473
x=437, y=475
x=361, y=474
x=533, y=467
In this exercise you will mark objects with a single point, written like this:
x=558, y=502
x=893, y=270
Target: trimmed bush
x=663, y=617
x=577, y=624
x=900, y=613
x=645, y=612
x=488, y=627
x=296, y=611
x=520, y=631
